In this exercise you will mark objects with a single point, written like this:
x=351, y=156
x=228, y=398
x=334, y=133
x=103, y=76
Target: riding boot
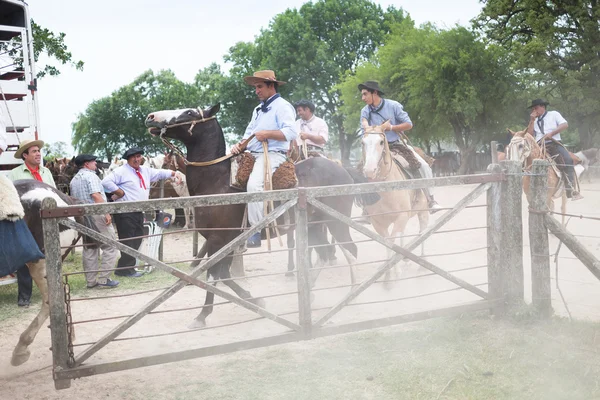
x=431, y=203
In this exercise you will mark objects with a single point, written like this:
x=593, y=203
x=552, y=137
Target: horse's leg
x=340, y=232
x=201, y=253
x=240, y=291
x=291, y=242
x=21, y=352
x=200, y=320
x=317, y=236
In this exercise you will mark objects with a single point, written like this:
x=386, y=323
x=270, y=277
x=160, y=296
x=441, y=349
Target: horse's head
x=179, y=124
x=374, y=145
x=519, y=148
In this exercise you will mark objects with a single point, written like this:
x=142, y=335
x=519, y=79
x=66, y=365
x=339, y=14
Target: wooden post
x=56, y=296
x=237, y=264
x=494, y=150
x=494, y=254
x=512, y=233
x=538, y=240
x=303, y=263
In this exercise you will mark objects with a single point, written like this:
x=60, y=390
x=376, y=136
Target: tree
x=312, y=48
x=448, y=81
x=112, y=124
x=560, y=42
x=55, y=150
x=54, y=46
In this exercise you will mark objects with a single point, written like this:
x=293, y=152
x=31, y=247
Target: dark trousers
x=565, y=164
x=128, y=225
x=25, y=283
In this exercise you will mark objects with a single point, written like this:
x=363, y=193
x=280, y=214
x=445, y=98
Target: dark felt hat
x=132, y=152
x=538, y=102
x=373, y=85
x=83, y=158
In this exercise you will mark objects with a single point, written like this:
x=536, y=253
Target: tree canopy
x=558, y=44
x=447, y=80
x=113, y=124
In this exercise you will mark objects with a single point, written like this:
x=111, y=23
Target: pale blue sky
x=118, y=40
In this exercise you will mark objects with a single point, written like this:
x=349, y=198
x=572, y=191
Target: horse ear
x=511, y=132
x=212, y=110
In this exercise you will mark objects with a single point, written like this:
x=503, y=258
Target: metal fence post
x=512, y=232
x=303, y=263
x=494, y=228
x=538, y=240
x=56, y=295
x=160, y=245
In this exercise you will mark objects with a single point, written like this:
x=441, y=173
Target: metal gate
x=505, y=274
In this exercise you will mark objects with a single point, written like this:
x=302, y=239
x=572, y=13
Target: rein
x=192, y=124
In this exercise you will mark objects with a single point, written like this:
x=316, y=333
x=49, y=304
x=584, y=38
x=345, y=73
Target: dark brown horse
x=203, y=138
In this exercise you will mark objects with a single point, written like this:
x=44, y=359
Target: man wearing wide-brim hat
x=377, y=111
x=30, y=152
x=546, y=127
x=131, y=182
x=273, y=122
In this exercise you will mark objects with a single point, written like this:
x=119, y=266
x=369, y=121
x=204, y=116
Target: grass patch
x=469, y=358
x=8, y=293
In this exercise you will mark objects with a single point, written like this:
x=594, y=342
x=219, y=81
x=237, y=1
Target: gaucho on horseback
x=546, y=127
x=313, y=131
x=379, y=110
x=273, y=123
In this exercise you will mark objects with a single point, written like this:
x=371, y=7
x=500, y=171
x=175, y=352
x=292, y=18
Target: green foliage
x=560, y=42
x=52, y=45
x=55, y=150
x=450, y=83
x=112, y=124
x=312, y=48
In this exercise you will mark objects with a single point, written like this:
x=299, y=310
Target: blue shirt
x=280, y=116
x=125, y=177
x=389, y=109
x=84, y=184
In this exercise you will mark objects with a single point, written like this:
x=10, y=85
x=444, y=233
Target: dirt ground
x=33, y=380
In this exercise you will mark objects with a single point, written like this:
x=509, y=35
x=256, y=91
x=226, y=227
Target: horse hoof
x=20, y=358
x=290, y=274
x=197, y=324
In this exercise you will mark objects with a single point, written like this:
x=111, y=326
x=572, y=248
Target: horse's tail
x=365, y=199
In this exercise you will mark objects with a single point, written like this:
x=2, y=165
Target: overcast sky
x=120, y=39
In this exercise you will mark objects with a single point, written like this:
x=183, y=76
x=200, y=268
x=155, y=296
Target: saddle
x=402, y=153
x=242, y=165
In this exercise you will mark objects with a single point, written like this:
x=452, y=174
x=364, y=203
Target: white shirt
x=126, y=178
x=552, y=119
x=314, y=126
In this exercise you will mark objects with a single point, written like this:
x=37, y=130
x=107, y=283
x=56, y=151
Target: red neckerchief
x=35, y=173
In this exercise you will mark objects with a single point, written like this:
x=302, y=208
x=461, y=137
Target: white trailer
x=18, y=83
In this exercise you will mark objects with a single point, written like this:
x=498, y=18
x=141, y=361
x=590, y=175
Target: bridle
x=192, y=124
x=385, y=155
x=525, y=151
